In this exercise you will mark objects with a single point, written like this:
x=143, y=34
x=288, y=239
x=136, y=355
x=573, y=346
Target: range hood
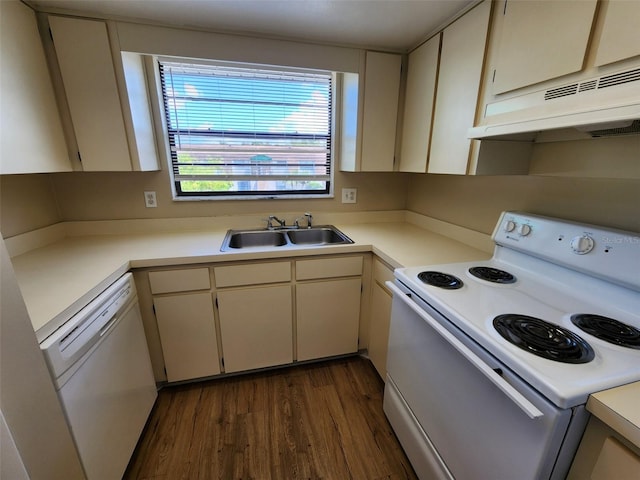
x=601, y=106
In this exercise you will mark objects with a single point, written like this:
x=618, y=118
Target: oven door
x=476, y=419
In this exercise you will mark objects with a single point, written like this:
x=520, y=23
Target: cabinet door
x=380, y=318
x=418, y=106
x=86, y=64
x=256, y=327
x=188, y=335
x=619, y=38
x=31, y=137
x=381, y=90
x=461, y=60
x=541, y=40
x=328, y=315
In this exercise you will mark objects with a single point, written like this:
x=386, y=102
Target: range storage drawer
x=179, y=280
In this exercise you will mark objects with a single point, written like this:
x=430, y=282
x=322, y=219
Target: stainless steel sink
x=318, y=236
x=286, y=237
x=258, y=238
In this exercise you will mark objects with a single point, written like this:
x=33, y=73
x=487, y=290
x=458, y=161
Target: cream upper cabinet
x=381, y=90
x=108, y=123
x=420, y=91
x=369, y=112
x=31, y=137
x=620, y=37
x=459, y=79
x=541, y=40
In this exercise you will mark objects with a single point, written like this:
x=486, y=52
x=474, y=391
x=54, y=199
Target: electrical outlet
x=349, y=195
x=150, y=199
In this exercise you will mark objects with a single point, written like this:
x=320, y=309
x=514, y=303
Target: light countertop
x=620, y=409
x=57, y=280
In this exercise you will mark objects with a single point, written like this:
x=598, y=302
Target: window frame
x=163, y=127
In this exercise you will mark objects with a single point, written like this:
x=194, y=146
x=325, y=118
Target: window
x=244, y=132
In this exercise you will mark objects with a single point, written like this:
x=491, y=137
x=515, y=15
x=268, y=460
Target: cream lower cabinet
x=186, y=322
x=380, y=317
x=604, y=454
x=187, y=332
x=255, y=308
x=328, y=306
x=256, y=327
x=250, y=318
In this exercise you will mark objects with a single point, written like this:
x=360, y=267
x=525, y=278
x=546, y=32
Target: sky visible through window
x=237, y=125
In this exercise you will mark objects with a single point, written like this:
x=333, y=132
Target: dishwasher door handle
x=110, y=323
x=525, y=405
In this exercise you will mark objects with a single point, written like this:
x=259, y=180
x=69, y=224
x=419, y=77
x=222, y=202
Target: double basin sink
x=320, y=235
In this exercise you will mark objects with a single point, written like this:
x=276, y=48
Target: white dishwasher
x=100, y=365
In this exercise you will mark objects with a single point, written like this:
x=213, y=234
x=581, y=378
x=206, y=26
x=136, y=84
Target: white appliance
x=100, y=364
x=490, y=363
x=602, y=105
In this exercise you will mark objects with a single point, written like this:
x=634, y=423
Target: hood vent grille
x=561, y=92
x=619, y=78
x=593, y=84
x=631, y=129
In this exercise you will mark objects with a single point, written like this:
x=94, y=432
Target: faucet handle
x=272, y=218
x=309, y=219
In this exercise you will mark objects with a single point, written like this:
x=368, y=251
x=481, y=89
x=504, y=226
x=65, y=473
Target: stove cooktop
x=556, y=297
x=574, y=290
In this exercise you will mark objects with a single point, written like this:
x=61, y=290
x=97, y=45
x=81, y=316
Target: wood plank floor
x=315, y=421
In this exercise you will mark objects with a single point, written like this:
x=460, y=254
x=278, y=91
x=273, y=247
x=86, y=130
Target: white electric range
x=490, y=363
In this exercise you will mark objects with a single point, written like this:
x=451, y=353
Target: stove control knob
x=582, y=244
x=509, y=226
x=524, y=229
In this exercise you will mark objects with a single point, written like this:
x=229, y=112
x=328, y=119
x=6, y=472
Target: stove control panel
x=599, y=251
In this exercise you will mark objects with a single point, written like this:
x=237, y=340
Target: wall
x=476, y=202
x=102, y=196
x=27, y=202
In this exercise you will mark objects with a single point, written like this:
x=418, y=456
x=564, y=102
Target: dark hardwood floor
x=314, y=421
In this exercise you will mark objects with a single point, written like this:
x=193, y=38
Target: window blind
x=247, y=131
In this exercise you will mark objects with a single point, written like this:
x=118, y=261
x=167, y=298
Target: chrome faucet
x=276, y=219
x=309, y=218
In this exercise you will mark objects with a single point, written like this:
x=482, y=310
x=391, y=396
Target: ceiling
x=395, y=25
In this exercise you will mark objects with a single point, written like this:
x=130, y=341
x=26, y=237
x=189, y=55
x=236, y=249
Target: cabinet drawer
x=255, y=274
x=179, y=280
x=327, y=268
x=382, y=273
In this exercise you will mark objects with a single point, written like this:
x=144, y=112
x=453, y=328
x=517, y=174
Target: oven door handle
x=525, y=405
